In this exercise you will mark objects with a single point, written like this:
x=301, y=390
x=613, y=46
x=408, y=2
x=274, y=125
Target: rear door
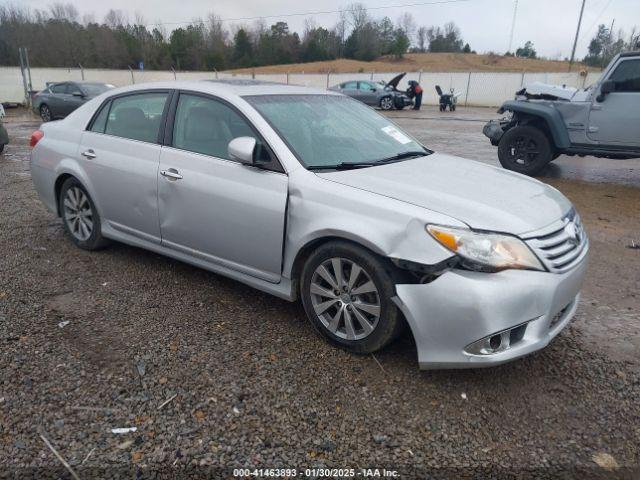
x=350, y=88
x=211, y=207
x=615, y=120
x=56, y=100
x=120, y=153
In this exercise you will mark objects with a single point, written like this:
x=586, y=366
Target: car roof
x=239, y=87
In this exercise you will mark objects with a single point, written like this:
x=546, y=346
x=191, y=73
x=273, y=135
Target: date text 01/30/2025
x=316, y=472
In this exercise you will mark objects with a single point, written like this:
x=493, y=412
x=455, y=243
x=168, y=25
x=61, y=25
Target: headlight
x=486, y=251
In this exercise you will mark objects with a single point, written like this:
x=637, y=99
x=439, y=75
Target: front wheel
x=45, y=113
x=346, y=293
x=386, y=103
x=524, y=149
x=79, y=216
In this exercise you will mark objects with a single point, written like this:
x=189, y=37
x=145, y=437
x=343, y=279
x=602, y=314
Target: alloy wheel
x=45, y=113
x=523, y=150
x=78, y=213
x=386, y=103
x=345, y=298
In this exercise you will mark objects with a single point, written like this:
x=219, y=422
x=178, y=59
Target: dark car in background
x=376, y=94
x=60, y=99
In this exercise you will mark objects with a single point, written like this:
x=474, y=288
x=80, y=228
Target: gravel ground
x=215, y=375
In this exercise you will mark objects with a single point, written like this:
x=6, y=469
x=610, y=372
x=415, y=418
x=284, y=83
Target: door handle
x=89, y=154
x=171, y=174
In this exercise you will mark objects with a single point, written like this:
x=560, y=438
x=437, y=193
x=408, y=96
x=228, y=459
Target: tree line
x=60, y=37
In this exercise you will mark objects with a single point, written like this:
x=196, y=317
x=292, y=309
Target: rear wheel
x=45, y=113
x=80, y=217
x=524, y=149
x=1, y=147
x=346, y=293
x=386, y=103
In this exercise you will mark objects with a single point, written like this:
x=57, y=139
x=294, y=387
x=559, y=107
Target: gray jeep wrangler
x=544, y=121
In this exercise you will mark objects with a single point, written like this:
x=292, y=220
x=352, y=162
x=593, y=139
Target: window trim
x=110, y=99
x=274, y=166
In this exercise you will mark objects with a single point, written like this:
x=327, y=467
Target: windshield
x=94, y=89
x=327, y=131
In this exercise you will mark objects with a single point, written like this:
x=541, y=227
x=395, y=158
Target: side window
x=366, y=86
x=59, y=88
x=352, y=85
x=204, y=125
x=627, y=76
x=100, y=122
x=137, y=116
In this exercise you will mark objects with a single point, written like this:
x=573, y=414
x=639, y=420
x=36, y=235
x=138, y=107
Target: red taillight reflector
x=36, y=137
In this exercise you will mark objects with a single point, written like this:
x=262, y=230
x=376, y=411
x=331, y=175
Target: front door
x=216, y=209
x=367, y=93
x=120, y=154
x=614, y=121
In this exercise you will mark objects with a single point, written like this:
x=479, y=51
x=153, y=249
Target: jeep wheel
x=524, y=149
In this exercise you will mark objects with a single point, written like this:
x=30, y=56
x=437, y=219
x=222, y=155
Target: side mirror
x=606, y=88
x=78, y=93
x=242, y=149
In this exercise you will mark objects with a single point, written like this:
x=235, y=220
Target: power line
x=322, y=12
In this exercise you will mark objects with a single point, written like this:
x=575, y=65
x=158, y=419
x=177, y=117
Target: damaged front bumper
x=494, y=129
x=467, y=319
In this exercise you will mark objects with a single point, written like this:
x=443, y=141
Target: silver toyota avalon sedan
x=310, y=195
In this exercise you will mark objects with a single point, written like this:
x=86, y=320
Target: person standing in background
x=415, y=91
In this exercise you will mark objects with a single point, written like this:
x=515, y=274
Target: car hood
x=393, y=83
x=483, y=197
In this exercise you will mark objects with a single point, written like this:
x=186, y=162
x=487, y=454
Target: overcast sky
x=485, y=24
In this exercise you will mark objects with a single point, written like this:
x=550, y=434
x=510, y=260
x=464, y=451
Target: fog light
x=498, y=342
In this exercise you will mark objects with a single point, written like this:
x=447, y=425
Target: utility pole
x=575, y=41
x=513, y=25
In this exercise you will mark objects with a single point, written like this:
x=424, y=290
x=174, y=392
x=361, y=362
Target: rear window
x=137, y=117
x=59, y=88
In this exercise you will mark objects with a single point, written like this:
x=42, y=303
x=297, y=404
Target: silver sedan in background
x=309, y=194
x=376, y=94
x=60, y=99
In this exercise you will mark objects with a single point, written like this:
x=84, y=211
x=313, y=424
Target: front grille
x=562, y=245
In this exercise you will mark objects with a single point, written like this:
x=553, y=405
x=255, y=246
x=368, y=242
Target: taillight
x=36, y=137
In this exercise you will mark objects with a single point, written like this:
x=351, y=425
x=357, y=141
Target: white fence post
x=133, y=80
x=81, y=71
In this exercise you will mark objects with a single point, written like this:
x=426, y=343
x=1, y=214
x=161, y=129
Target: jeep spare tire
x=525, y=149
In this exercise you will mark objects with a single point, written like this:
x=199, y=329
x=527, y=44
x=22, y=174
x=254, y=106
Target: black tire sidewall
x=96, y=240
x=389, y=324
x=544, y=157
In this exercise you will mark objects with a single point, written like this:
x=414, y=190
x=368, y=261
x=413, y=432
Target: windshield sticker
x=396, y=134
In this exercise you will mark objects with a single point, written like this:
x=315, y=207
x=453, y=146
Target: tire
x=452, y=108
x=443, y=107
x=45, y=113
x=79, y=216
x=372, y=287
x=525, y=149
x=1, y=147
x=386, y=103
